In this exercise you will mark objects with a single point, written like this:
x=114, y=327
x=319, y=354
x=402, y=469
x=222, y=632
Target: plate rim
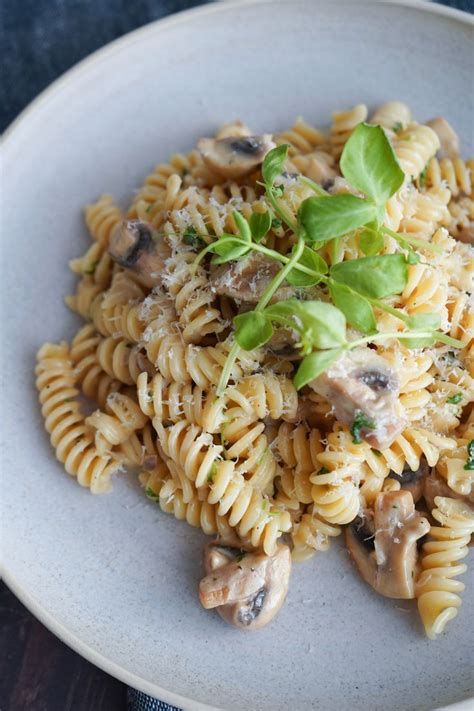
x=8, y=136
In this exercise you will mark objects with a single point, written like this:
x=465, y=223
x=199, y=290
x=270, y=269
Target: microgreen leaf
x=424, y=322
x=229, y=247
x=313, y=365
x=325, y=218
x=371, y=241
x=252, y=330
x=273, y=164
x=260, y=223
x=369, y=163
x=311, y=260
x=419, y=341
x=357, y=310
x=374, y=277
x=319, y=325
x=243, y=226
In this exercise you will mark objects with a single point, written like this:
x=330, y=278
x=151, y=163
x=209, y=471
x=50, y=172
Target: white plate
x=113, y=576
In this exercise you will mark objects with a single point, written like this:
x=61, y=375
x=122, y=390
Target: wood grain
x=40, y=673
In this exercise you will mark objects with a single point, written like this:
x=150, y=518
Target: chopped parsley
x=397, y=126
x=359, y=423
x=91, y=268
x=190, y=236
x=323, y=470
x=422, y=177
x=151, y=493
x=212, y=472
x=469, y=466
x=454, y=399
x=276, y=223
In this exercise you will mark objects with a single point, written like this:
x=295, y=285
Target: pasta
x=278, y=374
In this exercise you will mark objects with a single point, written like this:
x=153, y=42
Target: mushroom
x=435, y=485
x=235, y=156
x=247, y=588
x=247, y=279
x=384, y=545
x=363, y=390
x=448, y=137
x=133, y=247
x=412, y=481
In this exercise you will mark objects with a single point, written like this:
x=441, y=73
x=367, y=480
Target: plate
x=111, y=575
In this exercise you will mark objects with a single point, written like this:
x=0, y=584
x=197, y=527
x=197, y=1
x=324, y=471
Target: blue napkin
x=136, y=700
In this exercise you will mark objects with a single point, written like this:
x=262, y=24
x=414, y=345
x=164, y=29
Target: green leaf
x=320, y=325
x=243, y=226
x=260, y=223
x=325, y=218
x=374, y=277
x=313, y=365
x=369, y=163
x=252, y=330
x=273, y=164
x=455, y=399
x=357, y=310
x=228, y=248
x=424, y=322
x=311, y=260
x=371, y=241
x=418, y=342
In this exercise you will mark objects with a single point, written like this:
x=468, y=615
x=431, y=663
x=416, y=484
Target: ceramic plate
x=111, y=575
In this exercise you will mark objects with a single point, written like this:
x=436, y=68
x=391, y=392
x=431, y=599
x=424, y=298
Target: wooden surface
x=40, y=673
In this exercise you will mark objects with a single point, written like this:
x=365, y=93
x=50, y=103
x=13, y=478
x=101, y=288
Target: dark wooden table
x=40, y=673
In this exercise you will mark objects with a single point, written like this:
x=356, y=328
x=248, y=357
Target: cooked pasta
x=278, y=368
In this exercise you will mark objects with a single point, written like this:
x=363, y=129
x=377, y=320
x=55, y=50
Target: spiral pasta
x=71, y=437
x=343, y=124
x=436, y=589
x=414, y=147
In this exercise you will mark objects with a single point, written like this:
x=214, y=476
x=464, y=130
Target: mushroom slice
x=435, y=485
x=412, y=481
x=363, y=390
x=235, y=156
x=133, y=247
x=448, y=137
x=247, y=279
x=247, y=588
x=385, y=548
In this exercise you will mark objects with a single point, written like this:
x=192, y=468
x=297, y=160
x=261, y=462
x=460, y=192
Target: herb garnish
x=359, y=423
x=469, y=466
x=191, y=237
x=152, y=494
x=355, y=286
x=455, y=399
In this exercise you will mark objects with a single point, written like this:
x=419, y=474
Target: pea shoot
x=356, y=287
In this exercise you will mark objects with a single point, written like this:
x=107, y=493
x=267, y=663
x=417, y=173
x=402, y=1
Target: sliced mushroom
x=247, y=279
x=384, y=547
x=363, y=390
x=133, y=247
x=247, y=588
x=435, y=485
x=412, y=481
x=236, y=129
x=235, y=156
x=466, y=234
x=448, y=137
